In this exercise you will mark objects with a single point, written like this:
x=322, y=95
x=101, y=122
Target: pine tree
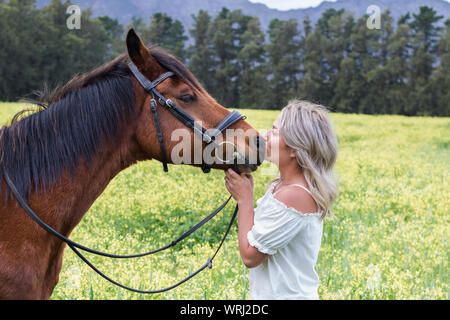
x=398, y=66
x=200, y=53
x=307, y=27
x=284, y=59
x=114, y=30
x=226, y=32
x=19, y=60
x=57, y=53
x=424, y=22
x=312, y=83
x=379, y=78
x=336, y=48
x=251, y=57
x=328, y=69
x=138, y=25
x=166, y=33
x=364, y=50
x=423, y=43
x=441, y=79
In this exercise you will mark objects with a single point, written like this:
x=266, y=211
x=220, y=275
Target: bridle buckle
x=207, y=139
x=169, y=103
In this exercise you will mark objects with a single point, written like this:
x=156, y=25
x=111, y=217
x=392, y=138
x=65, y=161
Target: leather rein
x=207, y=136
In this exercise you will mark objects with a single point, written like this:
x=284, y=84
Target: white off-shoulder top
x=292, y=239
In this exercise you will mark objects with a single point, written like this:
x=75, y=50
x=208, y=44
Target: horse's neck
x=27, y=252
x=70, y=200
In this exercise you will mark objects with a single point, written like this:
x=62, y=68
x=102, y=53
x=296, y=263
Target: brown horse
x=63, y=157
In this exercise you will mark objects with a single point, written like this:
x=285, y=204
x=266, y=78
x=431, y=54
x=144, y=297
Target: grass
x=389, y=238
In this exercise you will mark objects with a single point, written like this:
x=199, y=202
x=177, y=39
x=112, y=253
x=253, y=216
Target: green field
x=389, y=238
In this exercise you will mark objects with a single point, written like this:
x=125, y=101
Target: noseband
x=208, y=136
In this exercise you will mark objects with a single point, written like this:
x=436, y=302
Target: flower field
x=389, y=238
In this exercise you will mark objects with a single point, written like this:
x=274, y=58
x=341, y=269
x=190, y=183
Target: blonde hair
x=306, y=128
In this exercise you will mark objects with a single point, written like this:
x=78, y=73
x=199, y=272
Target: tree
x=57, y=53
x=307, y=27
x=441, y=79
x=398, y=66
x=283, y=53
x=312, y=83
x=69, y=52
x=114, y=30
x=323, y=23
x=423, y=44
x=424, y=23
x=138, y=25
x=166, y=33
x=380, y=79
x=253, y=80
x=200, y=53
x=325, y=51
x=350, y=85
x=226, y=32
x=17, y=63
x=336, y=47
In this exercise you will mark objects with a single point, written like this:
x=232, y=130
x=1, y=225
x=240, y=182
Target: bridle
x=208, y=136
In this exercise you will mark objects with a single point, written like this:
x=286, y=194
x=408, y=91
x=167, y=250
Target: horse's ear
x=139, y=53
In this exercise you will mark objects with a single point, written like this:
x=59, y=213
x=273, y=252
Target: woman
x=280, y=240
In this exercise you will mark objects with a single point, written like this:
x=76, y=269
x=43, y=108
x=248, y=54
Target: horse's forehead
x=174, y=83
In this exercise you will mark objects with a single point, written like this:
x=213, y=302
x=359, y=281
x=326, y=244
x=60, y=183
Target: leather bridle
x=208, y=136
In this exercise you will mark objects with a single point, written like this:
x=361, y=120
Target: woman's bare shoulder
x=297, y=198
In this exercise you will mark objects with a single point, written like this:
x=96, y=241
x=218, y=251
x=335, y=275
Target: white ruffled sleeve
x=274, y=227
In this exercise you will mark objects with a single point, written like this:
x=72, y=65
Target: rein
x=208, y=136
x=76, y=246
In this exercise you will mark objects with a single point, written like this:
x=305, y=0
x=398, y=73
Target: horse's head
x=239, y=144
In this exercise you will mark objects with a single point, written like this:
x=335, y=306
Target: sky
x=289, y=4
x=292, y=4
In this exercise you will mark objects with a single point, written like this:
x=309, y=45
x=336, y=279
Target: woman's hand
x=239, y=186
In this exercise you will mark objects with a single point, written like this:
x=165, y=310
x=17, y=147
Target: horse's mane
x=72, y=122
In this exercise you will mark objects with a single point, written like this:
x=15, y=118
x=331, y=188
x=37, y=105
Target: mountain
x=124, y=10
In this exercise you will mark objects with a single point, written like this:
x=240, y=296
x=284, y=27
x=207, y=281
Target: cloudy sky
x=293, y=4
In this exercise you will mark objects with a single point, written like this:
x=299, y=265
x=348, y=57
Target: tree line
x=401, y=68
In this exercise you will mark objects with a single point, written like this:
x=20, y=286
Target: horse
x=62, y=157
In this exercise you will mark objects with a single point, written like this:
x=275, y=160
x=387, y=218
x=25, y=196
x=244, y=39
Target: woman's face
x=277, y=151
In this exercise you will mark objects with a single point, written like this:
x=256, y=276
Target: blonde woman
x=280, y=240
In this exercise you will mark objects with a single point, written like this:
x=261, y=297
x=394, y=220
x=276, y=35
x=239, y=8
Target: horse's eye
x=187, y=98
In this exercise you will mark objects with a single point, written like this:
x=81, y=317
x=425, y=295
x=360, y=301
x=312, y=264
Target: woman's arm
x=251, y=257
x=241, y=188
